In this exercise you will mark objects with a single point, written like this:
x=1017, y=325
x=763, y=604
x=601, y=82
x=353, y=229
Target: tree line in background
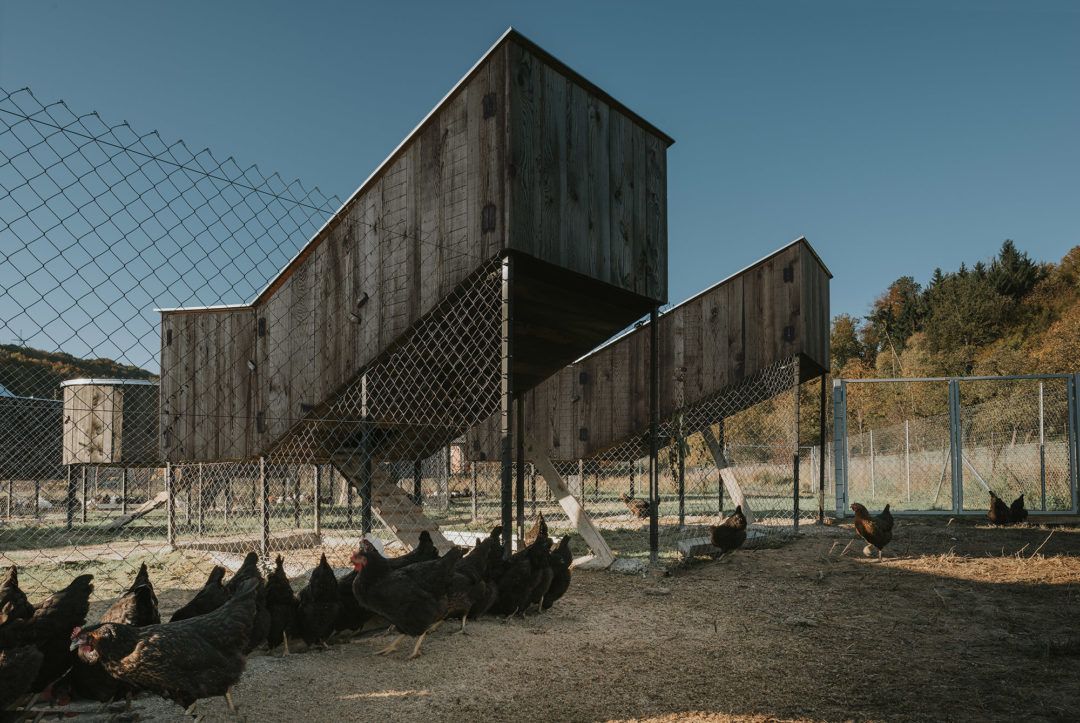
x=1011, y=315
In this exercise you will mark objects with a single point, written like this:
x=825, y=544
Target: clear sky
x=896, y=136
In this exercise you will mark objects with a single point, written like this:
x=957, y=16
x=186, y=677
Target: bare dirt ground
x=960, y=622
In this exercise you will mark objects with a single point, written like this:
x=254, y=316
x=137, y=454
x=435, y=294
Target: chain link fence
x=940, y=445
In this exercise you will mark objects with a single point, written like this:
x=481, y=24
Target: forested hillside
x=28, y=372
x=1008, y=315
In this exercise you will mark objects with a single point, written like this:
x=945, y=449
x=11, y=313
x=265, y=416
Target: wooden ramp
x=393, y=508
x=142, y=510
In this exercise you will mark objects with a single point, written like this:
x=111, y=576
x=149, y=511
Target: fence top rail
x=1005, y=378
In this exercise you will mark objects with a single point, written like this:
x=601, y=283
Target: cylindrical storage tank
x=110, y=421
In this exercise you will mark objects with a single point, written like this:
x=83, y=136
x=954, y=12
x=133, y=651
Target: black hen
x=1017, y=512
x=319, y=605
x=730, y=534
x=524, y=578
x=470, y=592
x=413, y=599
x=351, y=616
x=18, y=668
x=561, y=557
x=425, y=550
x=998, y=513
x=138, y=606
x=210, y=598
x=183, y=661
x=249, y=570
x=49, y=629
x=281, y=604
x=11, y=593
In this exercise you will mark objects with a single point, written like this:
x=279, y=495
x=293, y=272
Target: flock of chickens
x=48, y=650
x=201, y=652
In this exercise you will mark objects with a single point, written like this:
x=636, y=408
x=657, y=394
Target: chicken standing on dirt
x=639, y=507
x=561, y=558
x=523, y=579
x=184, y=661
x=470, y=591
x=18, y=668
x=281, y=604
x=998, y=514
x=11, y=593
x=249, y=570
x=49, y=629
x=877, y=531
x=413, y=599
x=209, y=598
x=319, y=605
x=138, y=606
x=730, y=534
x=1017, y=512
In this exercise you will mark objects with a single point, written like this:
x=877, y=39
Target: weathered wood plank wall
x=772, y=311
x=524, y=155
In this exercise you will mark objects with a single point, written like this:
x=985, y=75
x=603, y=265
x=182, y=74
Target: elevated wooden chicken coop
x=711, y=349
x=110, y=422
x=521, y=223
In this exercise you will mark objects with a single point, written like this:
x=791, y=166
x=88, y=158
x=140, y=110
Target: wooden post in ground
x=124, y=491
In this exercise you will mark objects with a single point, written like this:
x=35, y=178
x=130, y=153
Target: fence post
x=201, y=498
x=82, y=481
x=318, y=501
x=10, y=496
x=907, y=459
x=681, y=457
x=581, y=482
x=123, y=490
x=873, y=468
x=840, y=445
x=519, y=465
x=795, y=456
x=506, y=404
x=70, y=500
x=264, y=508
x=532, y=487
x=956, y=446
x=296, y=495
x=472, y=474
x=367, y=451
x=654, y=430
x=823, y=429
x=445, y=496
x=1042, y=448
x=170, y=506
x=719, y=475
x=1073, y=400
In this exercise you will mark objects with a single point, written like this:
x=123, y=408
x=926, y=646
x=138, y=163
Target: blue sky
x=896, y=136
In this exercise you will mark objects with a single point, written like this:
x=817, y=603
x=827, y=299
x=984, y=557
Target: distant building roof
x=5, y=392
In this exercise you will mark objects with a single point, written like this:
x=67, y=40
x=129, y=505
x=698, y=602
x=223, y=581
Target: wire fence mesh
x=942, y=445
